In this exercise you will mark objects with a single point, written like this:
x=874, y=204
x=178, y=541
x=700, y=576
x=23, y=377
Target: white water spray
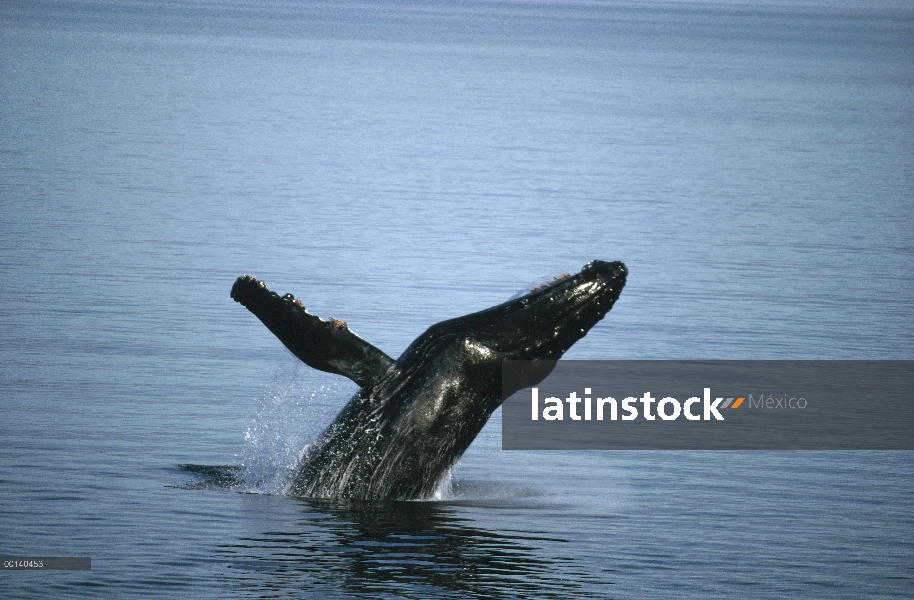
x=293, y=410
x=445, y=489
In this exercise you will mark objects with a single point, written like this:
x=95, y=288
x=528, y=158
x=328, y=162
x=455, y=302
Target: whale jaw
x=544, y=324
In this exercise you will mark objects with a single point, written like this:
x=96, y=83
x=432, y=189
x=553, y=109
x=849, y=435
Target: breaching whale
x=414, y=417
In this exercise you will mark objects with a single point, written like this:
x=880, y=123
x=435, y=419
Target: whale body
x=415, y=416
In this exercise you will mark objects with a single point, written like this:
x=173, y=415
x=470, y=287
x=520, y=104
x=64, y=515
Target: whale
x=414, y=417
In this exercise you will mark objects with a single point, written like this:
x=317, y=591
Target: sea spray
x=292, y=410
x=445, y=488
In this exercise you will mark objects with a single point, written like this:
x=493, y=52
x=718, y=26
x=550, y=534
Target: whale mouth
x=545, y=323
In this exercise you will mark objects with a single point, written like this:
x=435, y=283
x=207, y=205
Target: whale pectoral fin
x=324, y=345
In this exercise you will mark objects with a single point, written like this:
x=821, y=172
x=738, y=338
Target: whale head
x=545, y=323
x=539, y=326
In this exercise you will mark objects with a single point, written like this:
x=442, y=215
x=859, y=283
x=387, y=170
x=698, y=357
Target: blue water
x=398, y=164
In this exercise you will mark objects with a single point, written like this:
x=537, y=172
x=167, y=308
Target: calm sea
x=395, y=164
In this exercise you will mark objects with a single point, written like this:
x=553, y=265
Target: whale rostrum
x=415, y=416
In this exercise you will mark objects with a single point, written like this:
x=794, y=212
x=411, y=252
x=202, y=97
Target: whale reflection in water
x=392, y=548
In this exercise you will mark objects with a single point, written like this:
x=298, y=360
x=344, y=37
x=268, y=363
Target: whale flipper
x=324, y=345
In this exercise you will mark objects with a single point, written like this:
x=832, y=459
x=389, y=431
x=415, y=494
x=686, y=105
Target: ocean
x=395, y=164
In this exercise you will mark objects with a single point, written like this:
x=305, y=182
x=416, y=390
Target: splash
x=292, y=411
x=445, y=489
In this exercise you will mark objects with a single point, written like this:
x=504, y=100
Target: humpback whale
x=415, y=416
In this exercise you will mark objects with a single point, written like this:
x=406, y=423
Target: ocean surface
x=395, y=164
